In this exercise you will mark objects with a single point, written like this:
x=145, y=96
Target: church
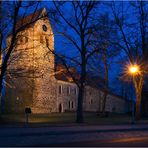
x=32, y=81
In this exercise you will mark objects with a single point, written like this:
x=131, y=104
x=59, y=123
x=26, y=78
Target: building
x=33, y=82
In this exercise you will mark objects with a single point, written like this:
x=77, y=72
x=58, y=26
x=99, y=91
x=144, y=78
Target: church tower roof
x=31, y=18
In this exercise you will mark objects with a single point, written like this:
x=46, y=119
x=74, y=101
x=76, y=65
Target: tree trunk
x=6, y=58
x=79, y=118
x=4, y=69
x=99, y=105
x=1, y=97
x=82, y=85
x=81, y=94
x=104, y=103
x=138, y=83
x=106, y=80
x=138, y=105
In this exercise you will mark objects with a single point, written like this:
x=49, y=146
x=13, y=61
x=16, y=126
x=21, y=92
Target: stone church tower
x=30, y=78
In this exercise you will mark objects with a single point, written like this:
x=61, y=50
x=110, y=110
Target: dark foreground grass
x=58, y=118
x=38, y=118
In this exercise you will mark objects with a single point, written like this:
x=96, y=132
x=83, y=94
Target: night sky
x=63, y=46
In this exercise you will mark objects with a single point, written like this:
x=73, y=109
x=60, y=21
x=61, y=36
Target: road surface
x=77, y=135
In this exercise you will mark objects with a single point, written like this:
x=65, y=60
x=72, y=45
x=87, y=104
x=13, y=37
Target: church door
x=60, y=108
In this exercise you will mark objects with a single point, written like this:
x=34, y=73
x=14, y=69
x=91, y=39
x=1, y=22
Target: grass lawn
x=59, y=118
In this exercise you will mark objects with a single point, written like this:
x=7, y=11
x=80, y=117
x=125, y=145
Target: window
x=69, y=104
x=44, y=28
x=60, y=89
x=68, y=90
x=75, y=91
x=22, y=39
x=72, y=104
x=25, y=39
x=91, y=101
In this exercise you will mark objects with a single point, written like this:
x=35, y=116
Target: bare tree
x=80, y=22
x=133, y=40
x=12, y=26
x=104, y=34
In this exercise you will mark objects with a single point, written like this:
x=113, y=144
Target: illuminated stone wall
x=93, y=101
x=30, y=80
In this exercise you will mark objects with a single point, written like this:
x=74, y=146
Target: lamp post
x=133, y=70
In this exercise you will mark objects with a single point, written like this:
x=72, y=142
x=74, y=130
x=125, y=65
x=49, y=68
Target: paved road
x=82, y=135
x=116, y=142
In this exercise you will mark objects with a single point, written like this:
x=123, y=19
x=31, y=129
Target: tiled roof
x=61, y=73
x=92, y=81
x=28, y=19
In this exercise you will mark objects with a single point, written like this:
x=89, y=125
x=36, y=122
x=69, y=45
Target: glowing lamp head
x=134, y=69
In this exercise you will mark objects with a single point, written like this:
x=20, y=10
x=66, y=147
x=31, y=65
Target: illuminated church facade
x=31, y=80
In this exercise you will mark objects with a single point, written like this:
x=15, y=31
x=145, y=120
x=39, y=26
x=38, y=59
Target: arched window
x=25, y=39
x=60, y=89
x=69, y=104
x=44, y=28
x=21, y=39
x=91, y=101
x=75, y=91
x=68, y=90
x=72, y=104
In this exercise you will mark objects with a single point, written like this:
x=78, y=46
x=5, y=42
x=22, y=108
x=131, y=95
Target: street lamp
x=133, y=70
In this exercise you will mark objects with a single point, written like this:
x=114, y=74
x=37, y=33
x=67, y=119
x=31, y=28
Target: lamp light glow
x=134, y=69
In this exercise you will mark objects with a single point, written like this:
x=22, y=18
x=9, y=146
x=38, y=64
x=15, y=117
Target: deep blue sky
x=70, y=50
